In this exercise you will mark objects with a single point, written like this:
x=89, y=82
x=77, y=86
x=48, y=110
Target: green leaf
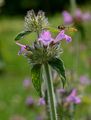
x=58, y=65
x=21, y=35
x=36, y=77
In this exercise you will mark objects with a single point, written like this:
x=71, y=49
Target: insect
x=71, y=29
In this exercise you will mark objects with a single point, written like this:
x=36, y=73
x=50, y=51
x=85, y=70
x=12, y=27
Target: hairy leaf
x=58, y=65
x=21, y=35
x=36, y=77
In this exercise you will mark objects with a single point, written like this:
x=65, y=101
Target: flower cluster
x=46, y=46
x=46, y=38
x=30, y=102
x=78, y=17
x=73, y=97
x=69, y=98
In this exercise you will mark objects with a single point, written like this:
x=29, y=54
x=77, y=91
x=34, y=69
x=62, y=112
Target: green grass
x=12, y=93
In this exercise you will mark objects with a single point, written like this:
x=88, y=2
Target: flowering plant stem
x=73, y=6
x=51, y=95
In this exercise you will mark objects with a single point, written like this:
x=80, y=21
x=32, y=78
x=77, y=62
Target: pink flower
x=26, y=83
x=68, y=38
x=82, y=16
x=86, y=16
x=29, y=101
x=85, y=80
x=72, y=98
x=45, y=38
x=67, y=17
x=22, y=49
x=61, y=36
x=41, y=101
x=78, y=14
x=61, y=90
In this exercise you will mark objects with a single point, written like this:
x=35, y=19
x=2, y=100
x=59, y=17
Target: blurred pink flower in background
x=67, y=17
x=39, y=118
x=73, y=98
x=79, y=16
x=86, y=16
x=61, y=91
x=41, y=101
x=27, y=83
x=29, y=101
x=85, y=80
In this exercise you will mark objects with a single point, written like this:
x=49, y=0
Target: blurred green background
x=14, y=69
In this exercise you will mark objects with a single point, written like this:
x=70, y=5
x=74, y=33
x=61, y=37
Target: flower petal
x=60, y=36
x=41, y=101
x=22, y=48
x=68, y=38
x=86, y=16
x=45, y=38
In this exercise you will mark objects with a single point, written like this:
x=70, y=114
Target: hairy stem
x=51, y=95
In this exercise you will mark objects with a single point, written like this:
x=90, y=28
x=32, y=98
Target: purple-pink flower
x=79, y=16
x=84, y=80
x=86, y=16
x=41, y=101
x=29, y=101
x=22, y=49
x=62, y=36
x=26, y=83
x=61, y=91
x=73, y=98
x=67, y=17
x=45, y=37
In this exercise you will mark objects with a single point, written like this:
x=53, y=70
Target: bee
x=61, y=27
x=71, y=29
